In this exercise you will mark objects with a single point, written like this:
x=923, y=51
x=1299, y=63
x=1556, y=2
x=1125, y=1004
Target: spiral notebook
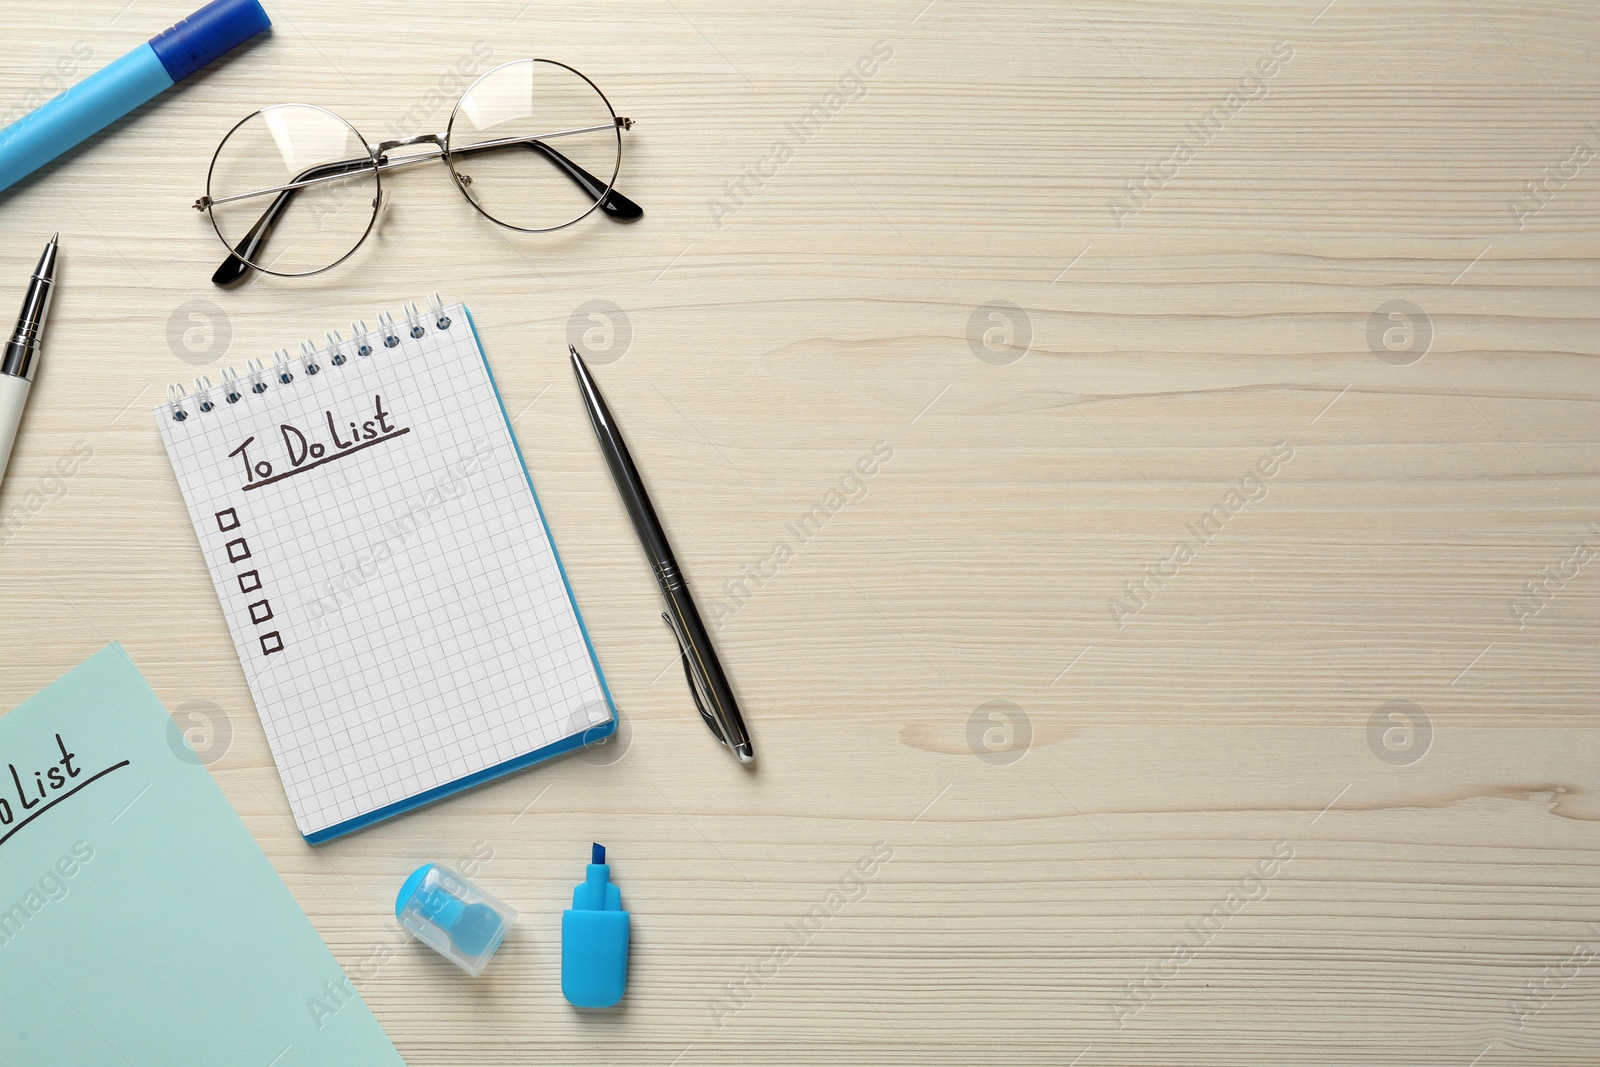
x=398, y=607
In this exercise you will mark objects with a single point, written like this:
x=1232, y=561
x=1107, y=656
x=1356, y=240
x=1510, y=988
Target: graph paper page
x=391, y=589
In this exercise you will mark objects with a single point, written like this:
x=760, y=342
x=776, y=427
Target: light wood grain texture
x=1049, y=851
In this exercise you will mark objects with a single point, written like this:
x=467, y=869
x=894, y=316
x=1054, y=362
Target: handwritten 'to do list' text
x=304, y=451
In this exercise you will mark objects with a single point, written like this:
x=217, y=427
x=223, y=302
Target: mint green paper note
x=139, y=921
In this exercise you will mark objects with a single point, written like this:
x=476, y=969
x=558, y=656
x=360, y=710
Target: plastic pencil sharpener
x=455, y=918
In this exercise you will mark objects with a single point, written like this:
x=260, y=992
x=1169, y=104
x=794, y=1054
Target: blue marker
x=594, y=939
x=142, y=74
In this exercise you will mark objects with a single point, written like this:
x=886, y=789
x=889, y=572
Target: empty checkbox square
x=237, y=550
x=260, y=612
x=249, y=581
x=228, y=519
x=271, y=642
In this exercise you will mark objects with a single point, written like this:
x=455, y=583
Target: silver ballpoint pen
x=707, y=683
x=21, y=355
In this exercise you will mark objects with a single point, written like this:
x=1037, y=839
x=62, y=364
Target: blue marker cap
x=451, y=915
x=594, y=939
x=208, y=34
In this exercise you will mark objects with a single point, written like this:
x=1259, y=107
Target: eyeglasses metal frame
x=377, y=161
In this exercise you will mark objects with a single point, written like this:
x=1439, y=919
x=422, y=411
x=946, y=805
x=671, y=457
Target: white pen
x=21, y=355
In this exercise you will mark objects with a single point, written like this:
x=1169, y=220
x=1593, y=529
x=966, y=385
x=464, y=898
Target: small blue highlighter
x=108, y=94
x=594, y=939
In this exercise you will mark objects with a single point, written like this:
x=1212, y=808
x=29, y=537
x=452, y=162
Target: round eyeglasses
x=532, y=144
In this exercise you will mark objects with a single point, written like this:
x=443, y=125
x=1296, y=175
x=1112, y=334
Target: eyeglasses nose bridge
x=421, y=138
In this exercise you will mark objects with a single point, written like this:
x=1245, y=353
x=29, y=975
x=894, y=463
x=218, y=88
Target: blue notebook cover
x=398, y=606
x=139, y=921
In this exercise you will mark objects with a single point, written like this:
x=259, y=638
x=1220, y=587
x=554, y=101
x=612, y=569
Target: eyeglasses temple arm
x=614, y=203
x=236, y=267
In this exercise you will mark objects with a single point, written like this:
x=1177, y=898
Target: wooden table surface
x=1205, y=673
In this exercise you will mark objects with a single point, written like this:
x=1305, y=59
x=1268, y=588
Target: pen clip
x=695, y=689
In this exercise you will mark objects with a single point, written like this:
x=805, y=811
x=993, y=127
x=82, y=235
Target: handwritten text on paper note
x=303, y=451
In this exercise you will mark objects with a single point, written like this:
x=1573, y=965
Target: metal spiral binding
x=414, y=320
x=202, y=393
x=233, y=387
x=386, y=329
x=255, y=379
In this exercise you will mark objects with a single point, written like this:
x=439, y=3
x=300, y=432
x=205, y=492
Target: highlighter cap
x=208, y=34
x=455, y=918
